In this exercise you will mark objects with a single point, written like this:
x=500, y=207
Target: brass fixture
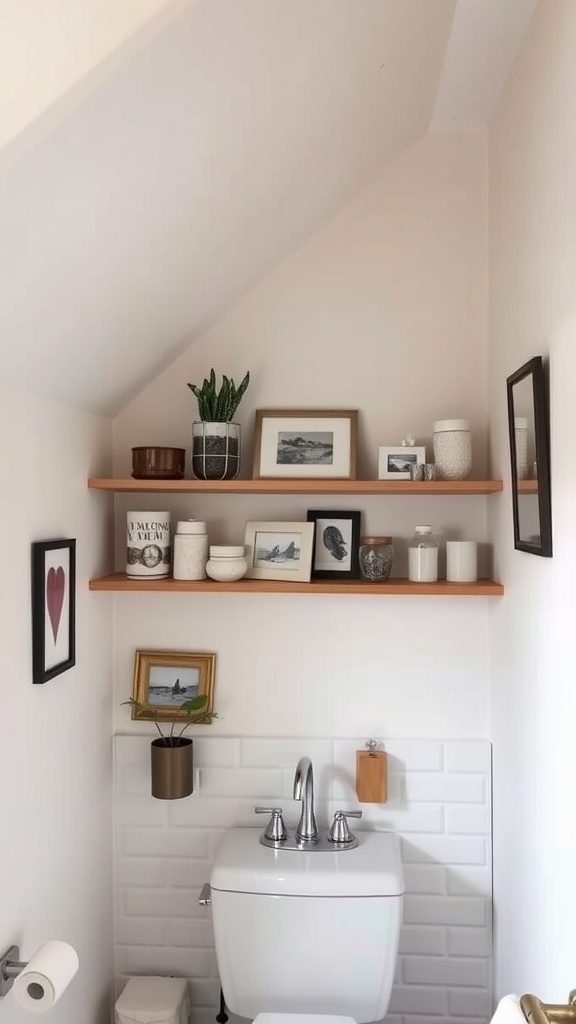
x=537, y=1012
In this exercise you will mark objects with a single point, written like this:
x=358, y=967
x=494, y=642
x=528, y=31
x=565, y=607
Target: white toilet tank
x=301, y=932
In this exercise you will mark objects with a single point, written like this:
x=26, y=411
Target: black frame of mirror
x=534, y=368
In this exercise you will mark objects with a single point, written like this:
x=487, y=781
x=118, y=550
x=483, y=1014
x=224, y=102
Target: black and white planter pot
x=215, y=450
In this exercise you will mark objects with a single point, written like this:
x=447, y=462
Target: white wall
x=55, y=745
x=384, y=310
x=533, y=264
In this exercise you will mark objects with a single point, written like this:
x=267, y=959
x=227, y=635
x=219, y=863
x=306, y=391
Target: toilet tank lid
x=373, y=868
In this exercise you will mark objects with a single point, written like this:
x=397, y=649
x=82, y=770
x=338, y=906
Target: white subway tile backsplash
x=439, y=803
x=145, y=842
x=409, y=999
x=445, y=788
x=444, y=850
x=425, y=878
x=462, y=820
x=461, y=910
x=450, y=970
x=470, y=756
x=424, y=939
x=470, y=942
x=254, y=782
x=282, y=753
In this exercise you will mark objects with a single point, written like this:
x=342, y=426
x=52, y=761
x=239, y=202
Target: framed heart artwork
x=53, y=608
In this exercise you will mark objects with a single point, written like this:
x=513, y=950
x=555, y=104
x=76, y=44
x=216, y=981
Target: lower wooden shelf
x=397, y=586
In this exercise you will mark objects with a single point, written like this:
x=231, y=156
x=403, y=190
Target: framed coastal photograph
x=53, y=608
x=305, y=444
x=164, y=680
x=394, y=463
x=279, y=551
x=335, y=553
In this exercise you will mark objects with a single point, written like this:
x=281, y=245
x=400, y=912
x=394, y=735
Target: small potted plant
x=215, y=438
x=172, y=754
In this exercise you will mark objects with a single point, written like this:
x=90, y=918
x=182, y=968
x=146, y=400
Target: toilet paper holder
x=10, y=967
x=537, y=1012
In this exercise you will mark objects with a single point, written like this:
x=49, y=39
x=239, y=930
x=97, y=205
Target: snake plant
x=218, y=405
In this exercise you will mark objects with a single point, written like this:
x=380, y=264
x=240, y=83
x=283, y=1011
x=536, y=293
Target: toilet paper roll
x=46, y=976
x=508, y=1011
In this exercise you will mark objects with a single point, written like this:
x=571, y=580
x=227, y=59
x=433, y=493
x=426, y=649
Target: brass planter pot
x=172, y=768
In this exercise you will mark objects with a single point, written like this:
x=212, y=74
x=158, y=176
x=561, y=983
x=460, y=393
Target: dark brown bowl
x=154, y=463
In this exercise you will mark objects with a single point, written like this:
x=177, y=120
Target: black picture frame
x=531, y=498
x=335, y=554
x=53, y=608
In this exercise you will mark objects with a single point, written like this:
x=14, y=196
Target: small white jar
x=453, y=449
x=423, y=556
x=190, y=550
x=226, y=563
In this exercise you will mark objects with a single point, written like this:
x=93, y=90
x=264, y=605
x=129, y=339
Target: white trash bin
x=154, y=1001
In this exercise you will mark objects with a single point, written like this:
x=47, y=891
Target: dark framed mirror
x=530, y=458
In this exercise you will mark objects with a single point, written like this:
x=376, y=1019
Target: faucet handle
x=275, y=829
x=339, y=832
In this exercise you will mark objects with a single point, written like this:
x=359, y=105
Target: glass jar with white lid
x=423, y=556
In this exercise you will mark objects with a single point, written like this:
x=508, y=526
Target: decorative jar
x=147, y=545
x=226, y=563
x=423, y=556
x=190, y=550
x=376, y=557
x=453, y=449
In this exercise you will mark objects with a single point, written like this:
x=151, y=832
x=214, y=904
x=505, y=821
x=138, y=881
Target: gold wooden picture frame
x=299, y=444
x=164, y=680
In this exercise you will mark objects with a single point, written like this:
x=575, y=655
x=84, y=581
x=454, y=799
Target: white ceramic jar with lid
x=423, y=556
x=190, y=550
x=453, y=449
x=226, y=563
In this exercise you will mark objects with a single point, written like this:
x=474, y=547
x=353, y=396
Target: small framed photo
x=305, y=444
x=394, y=463
x=53, y=608
x=164, y=680
x=279, y=551
x=335, y=554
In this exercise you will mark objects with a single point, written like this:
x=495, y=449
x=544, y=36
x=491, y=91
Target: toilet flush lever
x=339, y=832
x=275, y=829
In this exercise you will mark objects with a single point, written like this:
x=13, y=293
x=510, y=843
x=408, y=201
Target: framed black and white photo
x=165, y=680
x=279, y=551
x=335, y=554
x=305, y=444
x=53, y=608
x=394, y=462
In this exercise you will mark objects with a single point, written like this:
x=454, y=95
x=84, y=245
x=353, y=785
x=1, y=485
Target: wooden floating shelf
x=119, y=583
x=297, y=486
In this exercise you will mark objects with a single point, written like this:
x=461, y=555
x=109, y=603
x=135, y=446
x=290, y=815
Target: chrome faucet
x=304, y=790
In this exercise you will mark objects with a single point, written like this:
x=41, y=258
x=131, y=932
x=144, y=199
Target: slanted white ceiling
x=201, y=160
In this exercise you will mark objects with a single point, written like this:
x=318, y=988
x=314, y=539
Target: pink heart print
x=55, y=584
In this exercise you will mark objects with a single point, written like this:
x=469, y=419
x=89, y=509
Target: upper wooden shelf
x=297, y=486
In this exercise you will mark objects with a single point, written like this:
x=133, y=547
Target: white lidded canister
x=190, y=550
x=453, y=449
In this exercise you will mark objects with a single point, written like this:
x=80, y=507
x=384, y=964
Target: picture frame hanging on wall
x=164, y=680
x=335, y=554
x=297, y=444
x=53, y=608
